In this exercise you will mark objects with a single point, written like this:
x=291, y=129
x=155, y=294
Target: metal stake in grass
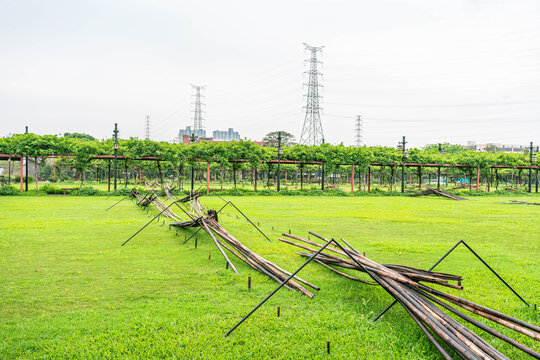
x=278, y=311
x=249, y=285
x=444, y=257
x=117, y=203
x=328, y=347
x=279, y=287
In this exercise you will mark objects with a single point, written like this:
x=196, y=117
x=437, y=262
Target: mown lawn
x=68, y=290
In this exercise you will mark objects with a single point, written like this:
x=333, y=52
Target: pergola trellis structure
x=290, y=162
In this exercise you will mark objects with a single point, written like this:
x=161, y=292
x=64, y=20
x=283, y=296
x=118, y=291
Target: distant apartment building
x=226, y=135
x=190, y=131
x=184, y=136
x=496, y=147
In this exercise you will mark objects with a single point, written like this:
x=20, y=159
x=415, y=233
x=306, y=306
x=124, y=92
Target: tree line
x=83, y=150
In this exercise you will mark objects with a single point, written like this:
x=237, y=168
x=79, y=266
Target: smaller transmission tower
x=312, y=132
x=197, y=110
x=147, y=127
x=358, y=131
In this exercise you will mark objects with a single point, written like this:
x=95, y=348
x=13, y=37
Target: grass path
x=68, y=290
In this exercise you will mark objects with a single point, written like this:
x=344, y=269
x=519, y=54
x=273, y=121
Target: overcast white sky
x=432, y=70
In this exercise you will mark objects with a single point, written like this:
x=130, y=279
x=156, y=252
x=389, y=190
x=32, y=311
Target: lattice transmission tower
x=197, y=110
x=147, y=127
x=312, y=132
x=358, y=131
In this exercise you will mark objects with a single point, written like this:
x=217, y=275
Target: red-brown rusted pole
x=109, y=186
x=478, y=178
x=255, y=180
x=208, y=177
x=369, y=178
x=352, y=178
x=22, y=175
x=54, y=173
x=419, y=177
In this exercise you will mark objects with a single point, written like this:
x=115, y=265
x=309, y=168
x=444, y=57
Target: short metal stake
x=249, y=285
x=328, y=347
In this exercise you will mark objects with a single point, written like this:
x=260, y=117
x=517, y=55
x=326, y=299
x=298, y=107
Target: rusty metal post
x=369, y=178
x=208, y=177
x=22, y=172
x=352, y=179
x=478, y=178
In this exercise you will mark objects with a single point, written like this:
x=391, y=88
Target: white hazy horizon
x=434, y=71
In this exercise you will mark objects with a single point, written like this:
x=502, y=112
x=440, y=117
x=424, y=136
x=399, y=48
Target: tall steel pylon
x=147, y=127
x=197, y=108
x=312, y=132
x=358, y=131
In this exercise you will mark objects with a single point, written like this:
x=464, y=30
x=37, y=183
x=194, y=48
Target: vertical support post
x=279, y=161
x=530, y=166
x=192, y=177
x=301, y=177
x=54, y=168
x=439, y=171
x=26, y=181
x=403, y=165
x=115, y=154
x=255, y=179
x=478, y=178
x=22, y=172
x=285, y=177
x=490, y=180
x=322, y=177
x=352, y=179
x=369, y=178
x=536, y=180
x=109, y=181
x=419, y=177
x=208, y=177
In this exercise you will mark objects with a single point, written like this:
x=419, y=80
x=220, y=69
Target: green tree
x=287, y=139
x=446, y=147
x=79, y=136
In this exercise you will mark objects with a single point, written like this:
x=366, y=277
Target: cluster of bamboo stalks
x=143, y=200
x=225, y=241
x=422, y=302
x=326, y=260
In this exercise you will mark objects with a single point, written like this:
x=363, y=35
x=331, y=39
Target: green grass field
x=68, y=290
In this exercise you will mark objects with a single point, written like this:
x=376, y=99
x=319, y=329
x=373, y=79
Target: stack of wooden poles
x=153, y=199
x=424, y=303
x=225, y=241
x=327, y=260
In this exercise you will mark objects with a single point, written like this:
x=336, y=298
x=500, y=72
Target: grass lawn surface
x=68, y=290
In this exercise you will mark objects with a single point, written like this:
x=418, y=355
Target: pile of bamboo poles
x=424, y=303
x=153, y=199
x=225, y=241
x=327, y=260
x=429, y=191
